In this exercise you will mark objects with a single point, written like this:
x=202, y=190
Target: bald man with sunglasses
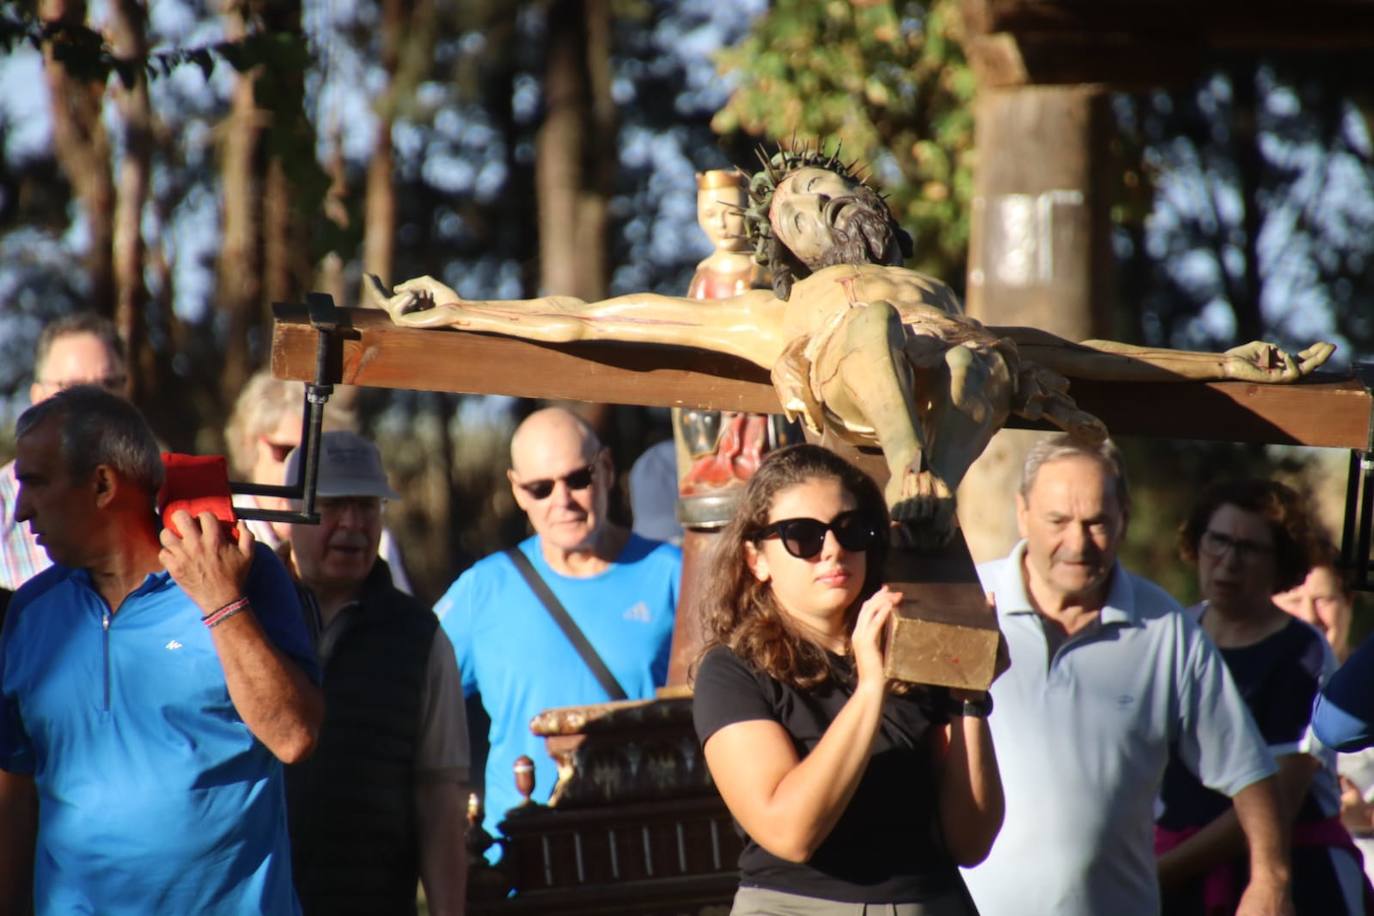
x=618, y=589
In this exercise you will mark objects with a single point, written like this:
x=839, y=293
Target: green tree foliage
x=886, y=80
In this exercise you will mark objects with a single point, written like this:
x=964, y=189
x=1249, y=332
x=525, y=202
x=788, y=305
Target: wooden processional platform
x=653, y=837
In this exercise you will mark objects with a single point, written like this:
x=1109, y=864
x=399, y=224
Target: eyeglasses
x=580, y=479
x=1215, y=544
x=113, y=383
x=804, y=537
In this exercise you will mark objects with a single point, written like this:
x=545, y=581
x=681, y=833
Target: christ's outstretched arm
x=1108, y=360
x=749, y=326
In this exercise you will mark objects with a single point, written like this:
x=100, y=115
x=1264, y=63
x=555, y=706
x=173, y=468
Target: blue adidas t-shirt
x=154, y=797
x=511, y=652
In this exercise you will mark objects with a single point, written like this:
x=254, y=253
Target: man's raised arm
x=273, y=695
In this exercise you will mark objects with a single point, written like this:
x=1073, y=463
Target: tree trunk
x=1040, y=256
x=379, y=229
x=575, y=150
x=283, y=257
x=287, y=265
x=83, y=151
x=128, y=32
x=240, y=260
x=379, y=220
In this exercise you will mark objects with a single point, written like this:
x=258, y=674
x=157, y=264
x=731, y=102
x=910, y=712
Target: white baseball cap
x=349, y=466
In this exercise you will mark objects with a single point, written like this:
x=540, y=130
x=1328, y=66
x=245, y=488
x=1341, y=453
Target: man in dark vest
x=381, y=803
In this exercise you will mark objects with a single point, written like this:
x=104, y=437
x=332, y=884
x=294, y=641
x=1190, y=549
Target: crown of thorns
x=765, y=182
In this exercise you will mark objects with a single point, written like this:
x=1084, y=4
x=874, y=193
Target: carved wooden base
x=634, y=825
x=664, y=858
x=619, y=753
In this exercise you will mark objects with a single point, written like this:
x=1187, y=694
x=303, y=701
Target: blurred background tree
x=885, y=82
x=1258, y=182
x=179, y=166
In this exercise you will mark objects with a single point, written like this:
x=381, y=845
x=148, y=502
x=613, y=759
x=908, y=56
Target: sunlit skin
x=574, y=529
x=816, y=593
x=77, y=359
x=1322, y=601
x=1073, y=525
x=335, y=556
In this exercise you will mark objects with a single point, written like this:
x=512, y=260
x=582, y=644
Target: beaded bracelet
x=219, y=615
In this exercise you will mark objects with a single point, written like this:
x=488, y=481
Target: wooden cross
x=944, y=633
x=1324, y=410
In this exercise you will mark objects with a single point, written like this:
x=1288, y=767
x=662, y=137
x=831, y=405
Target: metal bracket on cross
x=325, y=319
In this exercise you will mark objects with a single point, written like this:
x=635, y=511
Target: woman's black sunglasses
x=804, y=537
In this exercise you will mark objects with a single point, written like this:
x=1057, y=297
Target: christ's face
x=805, y=208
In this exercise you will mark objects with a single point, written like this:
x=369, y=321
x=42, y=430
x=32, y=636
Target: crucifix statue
x=858, y=345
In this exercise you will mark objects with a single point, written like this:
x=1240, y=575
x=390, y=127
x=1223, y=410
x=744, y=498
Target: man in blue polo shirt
x=619, y=589
x=1106, y=674
x=151, y=684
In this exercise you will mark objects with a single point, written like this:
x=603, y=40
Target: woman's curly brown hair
x=1297, y=539
x=739, y=611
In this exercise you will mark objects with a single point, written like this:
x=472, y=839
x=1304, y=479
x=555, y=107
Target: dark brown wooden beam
x=1150, y=43
x=1007, y=61
x=380, y=354
x=1327, y=411
x=1253, y=24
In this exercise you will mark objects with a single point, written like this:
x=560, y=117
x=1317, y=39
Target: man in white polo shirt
x=1106, y=675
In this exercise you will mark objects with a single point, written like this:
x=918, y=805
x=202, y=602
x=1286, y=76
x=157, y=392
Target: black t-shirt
x=1279, y=677
x=887, y=846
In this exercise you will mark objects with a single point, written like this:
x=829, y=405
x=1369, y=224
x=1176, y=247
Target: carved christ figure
x=857, y=344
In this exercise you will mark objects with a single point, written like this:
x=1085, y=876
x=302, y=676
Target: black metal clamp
x=1359, y=498
x=325, y=319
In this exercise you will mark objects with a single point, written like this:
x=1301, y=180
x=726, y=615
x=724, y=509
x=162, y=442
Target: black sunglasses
x=580, y=479
x=804, y=537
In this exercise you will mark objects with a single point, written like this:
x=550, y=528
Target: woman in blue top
x=849, y=789
x=1251, y=539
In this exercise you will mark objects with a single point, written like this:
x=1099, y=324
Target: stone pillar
x=1039, y=256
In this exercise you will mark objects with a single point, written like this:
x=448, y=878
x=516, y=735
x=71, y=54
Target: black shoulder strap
x=566, y=624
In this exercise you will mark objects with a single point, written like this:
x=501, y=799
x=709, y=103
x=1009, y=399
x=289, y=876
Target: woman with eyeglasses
x=1251, y=539
x=848, y=789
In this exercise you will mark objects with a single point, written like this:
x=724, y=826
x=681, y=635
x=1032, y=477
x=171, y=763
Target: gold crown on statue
x=713, y=179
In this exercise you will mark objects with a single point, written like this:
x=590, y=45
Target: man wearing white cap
x=382, y=800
